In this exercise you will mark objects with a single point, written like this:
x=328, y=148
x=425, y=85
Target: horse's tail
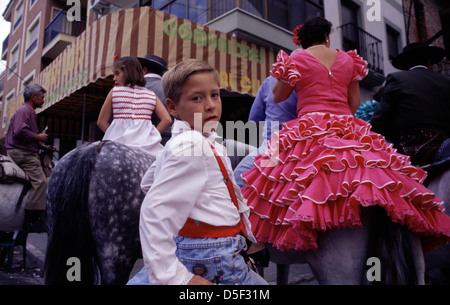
x=70, y=257
x=393, y=244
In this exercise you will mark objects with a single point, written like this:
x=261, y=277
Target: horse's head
x=47, y=161
x=3, y=150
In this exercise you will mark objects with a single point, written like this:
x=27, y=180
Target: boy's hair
x=174, y=79
x=132, y=69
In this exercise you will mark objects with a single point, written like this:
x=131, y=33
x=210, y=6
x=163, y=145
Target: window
x=194, y=10
x=350, y=29
x=33, y=34
x=197, y=11
x=9, y=99
x=255, y=7
x=28, y=80
x=393, y=38
x=285, y=13
x=290, y=13
x=221, y=7
x=18, y=14
x=14, y=59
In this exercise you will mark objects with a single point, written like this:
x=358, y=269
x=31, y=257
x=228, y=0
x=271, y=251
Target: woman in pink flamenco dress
x=324, y=166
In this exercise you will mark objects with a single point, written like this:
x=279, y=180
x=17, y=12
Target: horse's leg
x=282, y=274
x=418, y=258
x=115, y=268
x=341, y=255
x=283, y=259
x=439, y=258
x=439, y=186
x=117, y=241
x=117, y=248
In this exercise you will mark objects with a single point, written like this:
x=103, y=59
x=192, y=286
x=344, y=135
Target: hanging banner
x=138, y=31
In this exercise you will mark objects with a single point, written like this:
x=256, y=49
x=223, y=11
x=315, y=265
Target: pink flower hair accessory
x=295, y=38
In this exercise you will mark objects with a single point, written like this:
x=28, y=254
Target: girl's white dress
x=132, y=113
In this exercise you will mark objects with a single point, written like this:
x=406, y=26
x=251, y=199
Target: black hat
x=408, y=58
x=153, y=63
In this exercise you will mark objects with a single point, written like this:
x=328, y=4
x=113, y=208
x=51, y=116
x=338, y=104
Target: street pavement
x=32, y=274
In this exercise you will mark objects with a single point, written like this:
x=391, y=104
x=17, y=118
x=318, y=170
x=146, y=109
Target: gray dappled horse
x=342, y=254
x=325, y=265
x=93, y=204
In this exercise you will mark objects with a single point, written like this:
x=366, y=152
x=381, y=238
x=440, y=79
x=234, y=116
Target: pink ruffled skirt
x=318, y=172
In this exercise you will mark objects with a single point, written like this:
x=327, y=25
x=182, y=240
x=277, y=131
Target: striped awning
x=138, y=31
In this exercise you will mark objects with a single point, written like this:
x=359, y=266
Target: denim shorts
x=217, y=260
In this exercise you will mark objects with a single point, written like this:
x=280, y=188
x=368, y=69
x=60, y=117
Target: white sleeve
x=148, y=178
x=177, y=185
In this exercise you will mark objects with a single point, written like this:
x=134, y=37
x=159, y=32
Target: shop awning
x=136, y=32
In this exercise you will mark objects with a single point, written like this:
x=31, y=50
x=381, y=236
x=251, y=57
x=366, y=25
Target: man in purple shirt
x=23, y=141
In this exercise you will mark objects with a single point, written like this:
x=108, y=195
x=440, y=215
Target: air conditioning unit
x=99, y=6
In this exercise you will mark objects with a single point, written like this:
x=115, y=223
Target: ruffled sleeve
x=360, y=70
x=285, y=69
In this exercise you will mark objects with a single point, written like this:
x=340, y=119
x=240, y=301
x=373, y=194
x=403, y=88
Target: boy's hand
x=198, y=280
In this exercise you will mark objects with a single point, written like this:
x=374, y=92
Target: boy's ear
x=172, y=107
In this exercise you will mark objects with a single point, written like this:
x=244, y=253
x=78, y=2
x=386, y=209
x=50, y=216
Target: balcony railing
x=61, y=25
x=369, y=47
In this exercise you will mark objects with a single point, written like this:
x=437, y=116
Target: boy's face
x=199, y=103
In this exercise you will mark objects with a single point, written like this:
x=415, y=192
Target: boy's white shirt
x=184, y=181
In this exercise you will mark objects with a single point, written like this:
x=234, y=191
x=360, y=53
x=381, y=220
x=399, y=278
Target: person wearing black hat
x=154, y=67
x=414, y=111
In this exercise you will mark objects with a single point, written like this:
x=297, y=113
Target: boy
x=192, y=224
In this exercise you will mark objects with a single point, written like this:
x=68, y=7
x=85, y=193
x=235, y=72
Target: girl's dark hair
x=314, y=31
x=131, y=67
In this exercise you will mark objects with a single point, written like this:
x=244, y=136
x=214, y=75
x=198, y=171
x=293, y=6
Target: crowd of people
x=314, y=171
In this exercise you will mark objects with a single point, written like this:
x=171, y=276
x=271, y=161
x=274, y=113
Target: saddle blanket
x=10, y=172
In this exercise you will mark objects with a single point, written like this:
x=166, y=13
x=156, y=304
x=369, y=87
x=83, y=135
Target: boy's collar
x=181, y=126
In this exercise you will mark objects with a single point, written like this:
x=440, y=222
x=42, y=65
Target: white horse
x=11, y=208
x=14, y=188
x=14, y=193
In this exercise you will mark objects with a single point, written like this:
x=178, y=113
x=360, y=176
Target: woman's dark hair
x=314, y=31
x=131, y=67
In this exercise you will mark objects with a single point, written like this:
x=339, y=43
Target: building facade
x=69, y=48
x=429, y=21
